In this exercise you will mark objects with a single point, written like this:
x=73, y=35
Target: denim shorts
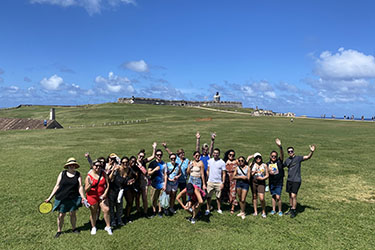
x=276, y=189
x=242, y=185
x=196, y=181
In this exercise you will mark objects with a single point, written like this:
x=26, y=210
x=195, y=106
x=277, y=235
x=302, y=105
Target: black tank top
x=68, y=187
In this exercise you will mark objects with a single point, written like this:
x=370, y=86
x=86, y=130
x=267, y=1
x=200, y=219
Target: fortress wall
x=156, y=101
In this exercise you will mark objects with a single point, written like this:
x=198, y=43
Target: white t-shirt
x=216, y=168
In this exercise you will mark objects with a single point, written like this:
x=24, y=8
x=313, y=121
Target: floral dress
x=231, y=190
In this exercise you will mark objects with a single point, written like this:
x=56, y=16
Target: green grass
x=336, y=200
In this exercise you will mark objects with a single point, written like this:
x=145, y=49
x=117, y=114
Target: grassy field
x=336, y=200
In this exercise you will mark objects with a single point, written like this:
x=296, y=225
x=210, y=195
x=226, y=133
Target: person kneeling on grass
x=69, y=194
x=196, y=197
x=171, y=175
x=293, y=163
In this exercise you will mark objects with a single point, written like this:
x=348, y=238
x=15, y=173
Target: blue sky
x=307, y=57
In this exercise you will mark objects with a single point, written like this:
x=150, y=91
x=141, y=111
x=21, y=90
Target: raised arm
x=278, y=143
x=88, y=157
x=211, y=150
x=55, y=188
x=153, y=152
x=249, y=158
x=166, y=148
x=312, y=149
x=202, y=175
x=197, y=146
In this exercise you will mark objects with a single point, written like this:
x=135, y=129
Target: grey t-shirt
x=294, y=168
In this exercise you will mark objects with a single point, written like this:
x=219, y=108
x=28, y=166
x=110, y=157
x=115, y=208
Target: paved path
x=224, y=111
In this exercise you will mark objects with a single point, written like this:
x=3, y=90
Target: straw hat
x=113, y=155
x=71, y=161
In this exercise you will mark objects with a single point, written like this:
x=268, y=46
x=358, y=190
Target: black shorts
x=292, y=187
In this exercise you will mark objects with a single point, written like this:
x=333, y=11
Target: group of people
x=111, y=180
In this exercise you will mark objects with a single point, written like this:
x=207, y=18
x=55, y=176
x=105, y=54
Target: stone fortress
x=216, y=103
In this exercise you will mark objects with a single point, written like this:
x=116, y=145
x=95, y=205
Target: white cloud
x=114, y=84
x=248, y=91
x=345, y=64
x=344, y=76
x=91, y=6
x=137, y=66
x=270, y=94
x=52, y=83
x=13, y=89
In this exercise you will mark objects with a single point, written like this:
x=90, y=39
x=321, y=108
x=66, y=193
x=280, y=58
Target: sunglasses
x=97, y=165
x=241, y=160
x=159, y=154
x=141, y=156
x=273, y=156
x=173, y=159
x=231, y=154
x=290, y=151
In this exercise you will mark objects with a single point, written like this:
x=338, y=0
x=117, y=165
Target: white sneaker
x=109, y=230
x=93, y=231
x=240, y=214
x=207, y=212
x=264, y=216
x=243, y=216
x=220, y=211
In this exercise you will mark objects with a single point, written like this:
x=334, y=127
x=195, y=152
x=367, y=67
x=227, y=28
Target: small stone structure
x=27, y=123
x=156, y=101
x=22, y=123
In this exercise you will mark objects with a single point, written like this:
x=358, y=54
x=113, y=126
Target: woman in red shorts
x=96, y=187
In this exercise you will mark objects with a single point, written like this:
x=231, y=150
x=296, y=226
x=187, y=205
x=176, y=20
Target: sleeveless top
x=195, y=171
x=99, y=189
x=68, y=187
x=239, y=172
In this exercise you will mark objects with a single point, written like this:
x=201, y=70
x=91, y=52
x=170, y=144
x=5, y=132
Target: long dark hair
x=226, y=155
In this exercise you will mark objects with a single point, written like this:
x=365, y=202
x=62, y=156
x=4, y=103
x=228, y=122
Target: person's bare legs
x=262, y=202
x=243, y=200
x=106, y=216
x=93, y=214
x=293, y=200
x=218, y=202
x=172, y=199
x=73, y=219
x=273, y=202
x=255, y=203
x=144, y=200
x=60, y=221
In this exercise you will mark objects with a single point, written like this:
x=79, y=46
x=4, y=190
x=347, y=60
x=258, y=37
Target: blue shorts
x=196, y=181
x=242, y=185
x=276, y=189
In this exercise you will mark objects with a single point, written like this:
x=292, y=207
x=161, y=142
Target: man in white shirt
x=216, y=178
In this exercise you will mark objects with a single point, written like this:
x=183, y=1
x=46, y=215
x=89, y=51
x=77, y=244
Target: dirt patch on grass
x=347, y=188
x=207, y=119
